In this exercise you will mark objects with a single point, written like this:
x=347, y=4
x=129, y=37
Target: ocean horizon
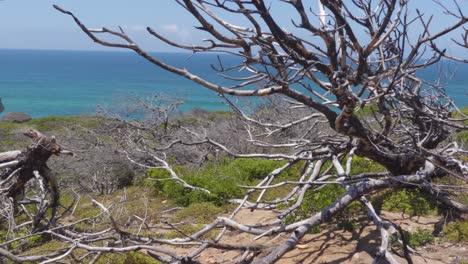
x=63, y=82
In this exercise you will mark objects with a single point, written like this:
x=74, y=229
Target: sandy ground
x=336, y=246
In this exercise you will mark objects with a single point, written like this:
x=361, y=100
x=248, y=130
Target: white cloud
x=172, y=28
x=175, y=32
x=135, y=27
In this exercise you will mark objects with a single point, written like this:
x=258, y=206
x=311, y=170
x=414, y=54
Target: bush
x=409, y=201
x=179, y=194
x=456, y=231
x=321, y=199
x=221, y=178
x=315, y=201
x=365, y=165
x=419, y=238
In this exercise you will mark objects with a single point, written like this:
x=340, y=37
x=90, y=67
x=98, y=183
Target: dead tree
x=378, y=69
x=19, y=168
x=337, y=60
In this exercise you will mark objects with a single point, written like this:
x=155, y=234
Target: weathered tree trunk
x=24, y=164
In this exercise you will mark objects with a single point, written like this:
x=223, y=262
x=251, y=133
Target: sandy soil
x=336, y=246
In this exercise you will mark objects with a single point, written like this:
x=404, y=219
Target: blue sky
x=34, y=24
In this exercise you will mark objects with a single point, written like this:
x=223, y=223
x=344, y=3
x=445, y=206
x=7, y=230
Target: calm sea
x=43, y=83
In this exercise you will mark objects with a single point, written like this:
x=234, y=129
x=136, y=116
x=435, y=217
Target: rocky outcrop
x=16, y=117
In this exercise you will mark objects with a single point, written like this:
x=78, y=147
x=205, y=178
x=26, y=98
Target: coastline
x=81, y=80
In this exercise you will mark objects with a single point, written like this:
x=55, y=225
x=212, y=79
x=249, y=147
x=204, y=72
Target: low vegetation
x=410, y=201
x=456, y=231
x=418, y=238
x=224, y=177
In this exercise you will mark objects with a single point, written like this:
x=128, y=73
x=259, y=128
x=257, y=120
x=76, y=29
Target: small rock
x=16, y=117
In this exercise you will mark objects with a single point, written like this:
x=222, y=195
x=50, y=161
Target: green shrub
x=292, y=174
x=365, y=165
x=358, y=165
x=221, y=178
x=419, y=238
x=177, y=192
x=409, y=201
x=241, y=168
x=35, y=240
x=315, y=201
x=321, y=199
x=456, y=231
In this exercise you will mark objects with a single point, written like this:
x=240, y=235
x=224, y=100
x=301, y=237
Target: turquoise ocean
x=42, y=83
